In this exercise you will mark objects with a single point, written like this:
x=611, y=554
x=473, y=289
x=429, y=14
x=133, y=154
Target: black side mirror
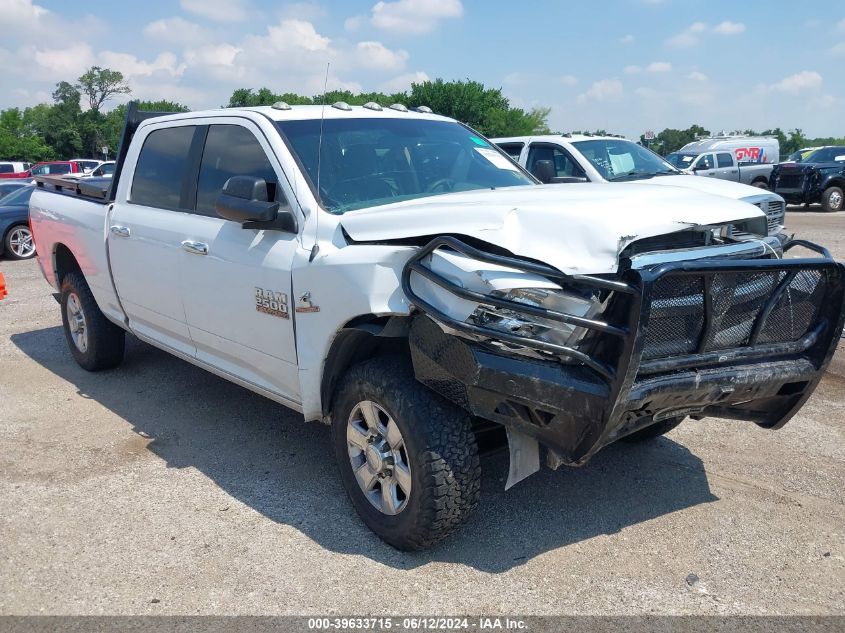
x=245, y=199
x=544, y=171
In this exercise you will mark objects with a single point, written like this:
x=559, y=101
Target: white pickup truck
x=573, y=158
x=393, y=274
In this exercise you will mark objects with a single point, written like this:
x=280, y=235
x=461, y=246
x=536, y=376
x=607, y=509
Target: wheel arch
x=360, y=338
x=64, y=262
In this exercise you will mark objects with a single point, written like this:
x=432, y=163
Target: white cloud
x=377, y=56
x=131, y=66
x=603, y=90
x=798, y=83
x=729, y=28
x=67, y=63
x=627, y=39
x=403, y=82
x=217, y=10
x=697, y=76
x=354, y=23
x=689, y=37
x=414, y=16
x=837, y=49
x=659, y=67
x=568, y=80
x=212, y=55
x=176, y=30
x=633, y=69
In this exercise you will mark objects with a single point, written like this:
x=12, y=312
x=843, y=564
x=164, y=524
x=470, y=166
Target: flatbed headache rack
x=104, y=191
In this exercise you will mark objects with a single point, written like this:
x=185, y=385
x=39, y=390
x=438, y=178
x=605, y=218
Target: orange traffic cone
x=3, y=292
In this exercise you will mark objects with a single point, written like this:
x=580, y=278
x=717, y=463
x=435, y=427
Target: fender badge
x=307, y=306
x=271, y=302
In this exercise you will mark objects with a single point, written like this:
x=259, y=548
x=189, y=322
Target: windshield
x=618, y=159
x=19, y=196
x=826, y=155
x=681, y=161
x=371, y=162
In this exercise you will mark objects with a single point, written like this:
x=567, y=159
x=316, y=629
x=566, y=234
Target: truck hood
x=715, y=186
x=579, y=229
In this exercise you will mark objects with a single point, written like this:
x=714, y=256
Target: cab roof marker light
x=399, y=107
x=342, y=105
x=280, y=105
x=372, y=105
x=423, y=109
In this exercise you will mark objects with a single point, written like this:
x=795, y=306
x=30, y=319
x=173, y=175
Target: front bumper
x=626, y=377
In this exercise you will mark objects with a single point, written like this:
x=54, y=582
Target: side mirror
x=244, y=199
x=701, y=167
x=544, y=171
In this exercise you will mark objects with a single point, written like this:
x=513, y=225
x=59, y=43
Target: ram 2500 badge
x=395, y=275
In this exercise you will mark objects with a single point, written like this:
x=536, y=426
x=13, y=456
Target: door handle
x=119, y=231
x=197, y=248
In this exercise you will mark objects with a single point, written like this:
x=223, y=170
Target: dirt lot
x=158, y=488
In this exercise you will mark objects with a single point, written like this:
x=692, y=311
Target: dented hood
x=575, y=229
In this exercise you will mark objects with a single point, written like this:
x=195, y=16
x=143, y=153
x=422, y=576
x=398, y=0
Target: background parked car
x=14, y=224
x=88, y=164
x=819, y=177
x=55, y=168
x=746, y=159
x=14, y=169
x=8, y=186
x=105, y=170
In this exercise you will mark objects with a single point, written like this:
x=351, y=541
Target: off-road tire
x=439, y=444
x=654, y=431
x=105, y=342
x=827, y=204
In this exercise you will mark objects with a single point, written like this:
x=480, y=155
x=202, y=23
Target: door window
x=161, y=168
x=512, y=149
x=705, y=161
x=725, y=160
x=231, y=150
x=563, y=163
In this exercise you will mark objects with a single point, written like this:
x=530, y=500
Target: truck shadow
x=264, y=456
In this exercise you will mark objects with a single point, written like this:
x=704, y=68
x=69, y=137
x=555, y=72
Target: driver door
x=236, y=282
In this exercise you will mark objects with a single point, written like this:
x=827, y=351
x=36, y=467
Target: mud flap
x=524, y=457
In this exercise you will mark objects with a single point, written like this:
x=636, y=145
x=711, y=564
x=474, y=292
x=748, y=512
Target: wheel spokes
x=366, y=478
x=388, y=498
x=370, y=414
x=402, y=477
x=356, y=437
x=394, y=437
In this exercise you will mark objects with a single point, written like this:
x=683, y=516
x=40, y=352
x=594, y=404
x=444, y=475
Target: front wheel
x=95, y=342
x=408, y=458
x=19, y=243
x=832, y=199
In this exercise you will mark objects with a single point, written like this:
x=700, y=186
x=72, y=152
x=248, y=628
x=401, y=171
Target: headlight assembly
x=534, y=326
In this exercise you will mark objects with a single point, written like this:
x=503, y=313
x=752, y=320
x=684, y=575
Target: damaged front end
x=575, y=362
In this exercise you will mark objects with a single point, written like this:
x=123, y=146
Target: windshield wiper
x=668, y=173
x=632, y=175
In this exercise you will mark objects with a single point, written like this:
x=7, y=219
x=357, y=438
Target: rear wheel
x=19, y=243
x=654, y=431
x=95, y=342
x=832, y=199
x=760, y=184
x=407, y=458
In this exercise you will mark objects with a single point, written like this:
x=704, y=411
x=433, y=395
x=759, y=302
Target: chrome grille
x=775, y=211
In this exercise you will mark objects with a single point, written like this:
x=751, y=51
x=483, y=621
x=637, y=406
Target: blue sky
x=623, y=65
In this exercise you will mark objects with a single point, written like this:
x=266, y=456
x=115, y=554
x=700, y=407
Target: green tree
x=101, y=84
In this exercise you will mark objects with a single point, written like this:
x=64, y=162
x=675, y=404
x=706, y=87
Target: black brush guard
x=741, y=339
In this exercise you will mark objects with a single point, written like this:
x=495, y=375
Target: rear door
x=146, y=226
x=236, y=282
x=726, y=167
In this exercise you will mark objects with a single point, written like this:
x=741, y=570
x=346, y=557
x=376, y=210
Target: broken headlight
x=532, y=326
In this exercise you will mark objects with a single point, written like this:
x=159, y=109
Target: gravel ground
x=158, y=488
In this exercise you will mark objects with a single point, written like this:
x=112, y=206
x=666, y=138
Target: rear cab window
x=724, y=159
x=161, y=168
x=512, y=149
